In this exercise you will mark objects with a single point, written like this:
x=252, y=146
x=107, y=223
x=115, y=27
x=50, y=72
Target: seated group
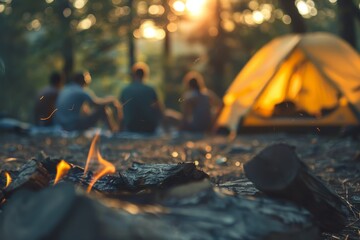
x=138, y=109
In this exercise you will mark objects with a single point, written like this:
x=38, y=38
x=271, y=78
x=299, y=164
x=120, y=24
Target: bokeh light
x=172, y=27
x=156, y=10
x=87, y=23
x=179, y=6
x=79, y=4
x=195, y=7
x=306, y=8
x=286, y=19
x=67, y=12
x=149, y=30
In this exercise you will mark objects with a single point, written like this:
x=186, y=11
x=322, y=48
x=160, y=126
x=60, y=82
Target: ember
x=51, y=114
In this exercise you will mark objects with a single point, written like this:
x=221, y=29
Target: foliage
x=38, y=37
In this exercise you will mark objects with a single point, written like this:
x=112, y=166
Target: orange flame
x=61, y=170
x=8, y=179
x=92, y=152
x=105, y=166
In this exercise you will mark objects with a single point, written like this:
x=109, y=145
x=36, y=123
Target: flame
x=92, y=152
x=8, y=179
x=105, y=166
x=61, y=169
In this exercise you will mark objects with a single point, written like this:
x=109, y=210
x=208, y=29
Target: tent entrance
x=298, y=89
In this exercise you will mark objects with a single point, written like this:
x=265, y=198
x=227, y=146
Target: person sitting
x=200, y=106
x=46, y=99
x=78, y=109
x=141, y=106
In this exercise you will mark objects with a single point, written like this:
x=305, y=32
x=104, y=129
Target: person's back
x=69, y=105
x=199, y=106
x=46, y=100
x=199, y=117
x=80, y=110
x=140, y=105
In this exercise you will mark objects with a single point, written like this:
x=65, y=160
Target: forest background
x=105, y=37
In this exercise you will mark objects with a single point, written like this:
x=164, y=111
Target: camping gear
x=297, y=80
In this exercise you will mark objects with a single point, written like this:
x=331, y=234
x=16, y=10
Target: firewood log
x=278, y=172
x=47, y=214
x=61, y=213
x=31, y=175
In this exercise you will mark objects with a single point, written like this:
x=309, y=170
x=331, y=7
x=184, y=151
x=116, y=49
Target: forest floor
x=335, y=160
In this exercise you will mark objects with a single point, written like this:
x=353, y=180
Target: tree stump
x=278, y=172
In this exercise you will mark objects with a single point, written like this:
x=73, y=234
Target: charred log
x=30, y=215
x=278, y=172
x=62, y=213
x=139, y=177
x=31, y=175
x=142, y=176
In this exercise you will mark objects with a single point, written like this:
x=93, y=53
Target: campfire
x=50, y=198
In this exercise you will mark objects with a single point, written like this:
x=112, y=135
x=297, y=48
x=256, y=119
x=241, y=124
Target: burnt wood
x=139, y=177
x=39, y=173
x=32, y=175
x=61, y=213
x=278, y=172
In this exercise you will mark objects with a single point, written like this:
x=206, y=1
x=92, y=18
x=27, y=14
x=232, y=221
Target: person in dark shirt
x=46, y=99
x=79, y=109
x=200, y=106
x=141, y=107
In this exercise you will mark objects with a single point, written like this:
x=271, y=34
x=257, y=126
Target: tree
x=297, y=21
x=348, y=13
x=38, y=37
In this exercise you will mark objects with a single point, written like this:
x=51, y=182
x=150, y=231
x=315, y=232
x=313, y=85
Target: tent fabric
x=317, y=72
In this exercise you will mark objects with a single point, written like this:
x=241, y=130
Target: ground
x=333, y=159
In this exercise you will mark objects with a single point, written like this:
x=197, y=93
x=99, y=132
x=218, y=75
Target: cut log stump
x=278, y=172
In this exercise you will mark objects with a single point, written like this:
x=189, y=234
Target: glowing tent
x=296, y=80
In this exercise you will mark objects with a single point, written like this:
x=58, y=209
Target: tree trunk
x=67, y=45
x=68, y=56
x=218, y=55
x=346, y=10
x=131, y=43
x=297, y=21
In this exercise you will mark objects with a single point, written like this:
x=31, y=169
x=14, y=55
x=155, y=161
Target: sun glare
x=179, y=6
x=195, y=7
x=149, y=30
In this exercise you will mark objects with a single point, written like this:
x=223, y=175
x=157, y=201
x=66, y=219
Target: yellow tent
x=296, y=80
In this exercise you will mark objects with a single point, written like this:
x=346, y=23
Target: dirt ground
x=335, y=160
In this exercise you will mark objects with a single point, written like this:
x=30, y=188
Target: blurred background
x=105, y=37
